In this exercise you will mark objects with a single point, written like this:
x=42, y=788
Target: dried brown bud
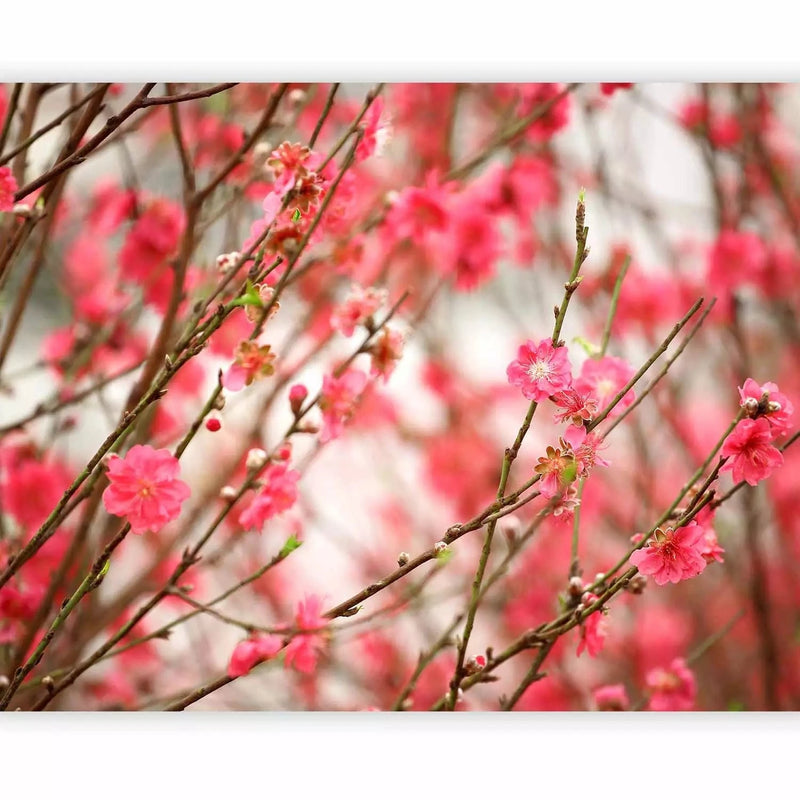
x=637, y=584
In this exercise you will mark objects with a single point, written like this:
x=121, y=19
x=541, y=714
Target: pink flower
x=359, y=306
x=674, y=689
x=592, y=629
x=278, y=494
x=471, y=245
x=611, y=698
x=587, y=451
x=252, y=651
x=749, y=448
x=672, y=555
x=144, y=487
x=419, y=210
x=338, y=399
x=8, y=187
x=711, y=550
x=288, y=162
x=302, y=650
x=31, y=489
x=777, y=409
x=554, y=469
x=251, y=362
x=737, y=258
x=603, y=378
x=151, y=240
x=534, y=96
x=377, y=131
x=574, y=406
x=540, y=370
x=386, y=351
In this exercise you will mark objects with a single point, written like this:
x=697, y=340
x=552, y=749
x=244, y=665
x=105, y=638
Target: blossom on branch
x=144, y=487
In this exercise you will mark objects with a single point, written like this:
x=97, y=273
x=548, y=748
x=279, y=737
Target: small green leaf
x=251, y=297
x=590, y=349
x=569, y=473
x=296, y=215
x=445, y=555
x=292, y=543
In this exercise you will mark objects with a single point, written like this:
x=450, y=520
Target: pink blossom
x=252, y=651
x=611, y=698
x=337, y=401
x=603, y=378
x=144, y=487
x=711, y=549
x=575, y=406
x=8, y=187
x=553, y=468
x=672, y=555
x=111, y=206
x=672, y=689
x=357, y=308
x=472, y=244
x=376, y=131
x=777, y=409
x=587, y=451
x=251, y=362
x=302, y=650
x=278, y=494
x=535, y=95
x=152, y=239
x=417, y=211
x=386, y=351
x=540, y=370
x=749, y=448
x=288, y=162
x=592, y=629
x=31, y=490
x=737, y=258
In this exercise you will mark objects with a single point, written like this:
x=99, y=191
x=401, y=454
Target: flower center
x=540, y=369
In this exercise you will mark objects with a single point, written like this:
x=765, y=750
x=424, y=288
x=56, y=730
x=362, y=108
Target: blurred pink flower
x=672, y=689
x=252, y=651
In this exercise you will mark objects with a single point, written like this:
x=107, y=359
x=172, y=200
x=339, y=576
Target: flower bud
x=228, y=493
x=510, y=526
x=773, y=407
x=262, y=150
x=750, y=405
x=637, y=584
x=227, y=261
x=256, y=458
x=575, y=587
x=403, y=559
x=213, y=424
x=475, y=664
x=297, y=396
x=439, y=547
